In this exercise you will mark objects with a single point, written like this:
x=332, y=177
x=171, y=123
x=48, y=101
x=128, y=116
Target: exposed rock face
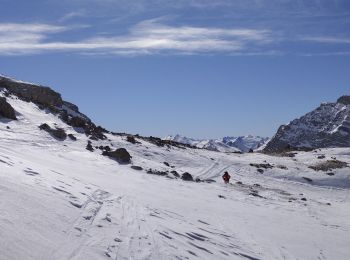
x=6, y=110
x=326, y=126
x=71, y=106
x=77, y=122
x=58, y=133
x=28, y=92
x=121, y=155
x=345, y=100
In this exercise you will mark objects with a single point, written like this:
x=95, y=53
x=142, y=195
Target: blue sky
x=197, y=67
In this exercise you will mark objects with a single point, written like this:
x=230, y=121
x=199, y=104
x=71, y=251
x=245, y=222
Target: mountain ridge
x=326, y=126
x=226, y=144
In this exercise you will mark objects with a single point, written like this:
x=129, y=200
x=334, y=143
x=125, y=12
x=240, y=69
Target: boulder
x=121, y=155
x=137, y=168
x=72, y=137
x=187, y=177
x=57, y=133
x=89, y=147
x=131, y=139
x=6, y=110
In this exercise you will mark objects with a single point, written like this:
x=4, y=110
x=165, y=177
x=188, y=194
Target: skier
x=226, y=177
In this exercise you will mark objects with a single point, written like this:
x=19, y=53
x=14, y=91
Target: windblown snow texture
x=62, y=201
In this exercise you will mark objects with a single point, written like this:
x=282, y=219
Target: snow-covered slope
x=226, y=144
x=61, y=201
x=326, y=126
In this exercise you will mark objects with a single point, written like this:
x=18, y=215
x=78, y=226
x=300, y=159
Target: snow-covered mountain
x=326, y=126
x=226, y=144
x=66, y=194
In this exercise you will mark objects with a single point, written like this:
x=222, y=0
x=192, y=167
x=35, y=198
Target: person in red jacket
x=226, y=177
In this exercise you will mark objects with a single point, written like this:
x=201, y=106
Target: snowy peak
x=182, y=139
x=245, y=143
x=226, y=144
x=326, y=126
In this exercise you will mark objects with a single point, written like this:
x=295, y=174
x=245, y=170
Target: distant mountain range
x=326, y=126
x=226, y=144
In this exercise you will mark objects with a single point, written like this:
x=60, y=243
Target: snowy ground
x=60, y=201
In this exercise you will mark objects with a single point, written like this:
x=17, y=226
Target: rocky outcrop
x=77, y=121
x=57, y=133
x=34, y=93
x=326, y=126
x=6, y=110
x=121, y=155
x=345, y=100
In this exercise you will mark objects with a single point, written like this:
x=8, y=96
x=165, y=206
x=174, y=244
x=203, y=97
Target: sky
x=199, y=68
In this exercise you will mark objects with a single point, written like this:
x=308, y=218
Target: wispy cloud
x=327, y=39
x=149, y=36
x=72, y=15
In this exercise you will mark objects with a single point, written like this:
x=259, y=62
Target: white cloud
x=146, y=37
x=327, y=39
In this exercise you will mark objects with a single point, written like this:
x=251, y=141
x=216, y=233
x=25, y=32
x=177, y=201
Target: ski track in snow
x=60, y=201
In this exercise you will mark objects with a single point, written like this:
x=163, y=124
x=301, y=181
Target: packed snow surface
x=60, y=201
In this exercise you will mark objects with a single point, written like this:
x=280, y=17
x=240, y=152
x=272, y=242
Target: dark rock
x=303, y=199
x=77, y=122
x=221, y=197
x=307, y=179
x=159, y=173
x=121, y=155
x=239, y=183
x=345, y=100
x=209, y=181
x=260, y=171
x=64, y=116
x=251, y=151
x=45, y=127
x=187, y=177
x=330, y=173
x=131, y=139
x=137, y=168
x=58, y=133
x=6, y=110
x=167, y=164
x=262, y=165
x=89, y=147
x=95, y=132
x=72, y=137
x=7, y=127
x=29, y=92
x=321, y=157
x=329, y=165
x=282, y=167
x=197, y=180
x=71, y=106
x=175, y=173
x=256, y=194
